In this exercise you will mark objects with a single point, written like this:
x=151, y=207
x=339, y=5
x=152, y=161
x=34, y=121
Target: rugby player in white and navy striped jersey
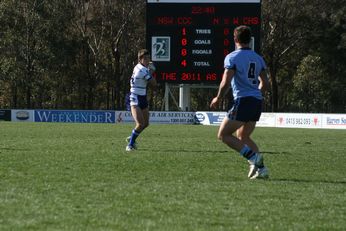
x=245, y=73
x=140, y=79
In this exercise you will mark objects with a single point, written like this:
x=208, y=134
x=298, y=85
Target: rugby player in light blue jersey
x=245, y=72
x=141, y=77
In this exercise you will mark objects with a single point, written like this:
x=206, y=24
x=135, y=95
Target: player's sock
x=252, y=157
x=247, y=152
x=133, y=138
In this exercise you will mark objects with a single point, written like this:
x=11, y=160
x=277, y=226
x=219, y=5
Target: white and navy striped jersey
x=139, y=79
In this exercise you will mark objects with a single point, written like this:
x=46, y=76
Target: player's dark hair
x=142, y=52
x=243, y=34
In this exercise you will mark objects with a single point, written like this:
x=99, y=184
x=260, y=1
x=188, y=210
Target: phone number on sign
x=182, y=120
x=299, y=121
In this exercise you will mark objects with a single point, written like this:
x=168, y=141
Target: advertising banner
x=298, y=120
x=5, y=115
x=267, y=120
x=215, y=118
x=210, y=118
x=283, y=120
x=335, y=121
x=70, y=116
x=159, y=117
x=22, y=115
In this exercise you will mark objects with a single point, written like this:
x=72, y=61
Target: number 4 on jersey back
x=251, y=73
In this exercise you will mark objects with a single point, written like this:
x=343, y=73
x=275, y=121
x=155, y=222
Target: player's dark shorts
x=246, y=109
x=139, y=100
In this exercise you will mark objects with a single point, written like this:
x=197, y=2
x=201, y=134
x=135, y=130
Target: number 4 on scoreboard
x=183, y=63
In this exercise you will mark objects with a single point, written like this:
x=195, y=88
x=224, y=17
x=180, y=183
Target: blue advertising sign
x=70, y=116
x=210, y=118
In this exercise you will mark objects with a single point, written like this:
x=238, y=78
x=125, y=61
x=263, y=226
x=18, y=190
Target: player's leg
x=225, y=134
x=235, y=120
x=139, y=126
x=138, y=117
x=140, y=113
x=142, y=121
x=227, y=128
x=256, y=163
x=239, y=118
x=145, y=113
x=257, y=168
x=251, y=112
x=244, y=133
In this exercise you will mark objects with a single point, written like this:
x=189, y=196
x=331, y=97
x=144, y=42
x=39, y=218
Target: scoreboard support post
x=184, y=97
x=167, y=96
x=185, y=104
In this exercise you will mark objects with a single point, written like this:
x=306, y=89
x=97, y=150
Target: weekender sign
x=70, y=116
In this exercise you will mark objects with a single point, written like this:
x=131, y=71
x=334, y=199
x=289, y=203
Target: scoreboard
x=189, y=39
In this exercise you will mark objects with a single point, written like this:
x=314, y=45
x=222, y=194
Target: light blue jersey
x=247, y=66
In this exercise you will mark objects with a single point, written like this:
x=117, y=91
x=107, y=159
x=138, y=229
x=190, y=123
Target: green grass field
x=79, y=177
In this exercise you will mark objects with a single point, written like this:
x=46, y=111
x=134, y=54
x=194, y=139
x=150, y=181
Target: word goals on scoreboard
x=189, y=39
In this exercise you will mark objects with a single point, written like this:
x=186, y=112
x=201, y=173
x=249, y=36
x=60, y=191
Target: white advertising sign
x=267, y=120
x=336, y=121
x=159, y=117
x=298, y=120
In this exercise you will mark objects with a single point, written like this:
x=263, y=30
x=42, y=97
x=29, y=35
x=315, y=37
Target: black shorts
x=246, y=109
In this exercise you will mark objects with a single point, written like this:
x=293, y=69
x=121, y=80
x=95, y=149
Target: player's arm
x=264, y=82
x=224, y=86
x=152, y=83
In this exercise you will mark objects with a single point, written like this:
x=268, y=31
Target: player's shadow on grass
x=13, y=149
x=274, y=153
x=186, y=150
x=307, y=181
x=208, y=151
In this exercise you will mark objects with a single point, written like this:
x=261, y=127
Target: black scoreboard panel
x=188, y=40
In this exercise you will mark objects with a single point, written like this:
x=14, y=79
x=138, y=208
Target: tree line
x=79, y=54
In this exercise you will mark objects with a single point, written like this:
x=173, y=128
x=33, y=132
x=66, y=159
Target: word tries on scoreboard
x=189, y=39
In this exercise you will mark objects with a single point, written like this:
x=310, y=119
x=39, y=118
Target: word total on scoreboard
x=189, y=39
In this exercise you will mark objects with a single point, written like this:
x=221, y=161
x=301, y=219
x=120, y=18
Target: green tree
x=328, y=41
x=111, y=34
x=284, y=27
x=21, y=48
x=79, y=54
x=29, y=57
x=311, y=86
x=293, y=30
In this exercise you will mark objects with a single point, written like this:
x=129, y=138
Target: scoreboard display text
x=188, y=40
